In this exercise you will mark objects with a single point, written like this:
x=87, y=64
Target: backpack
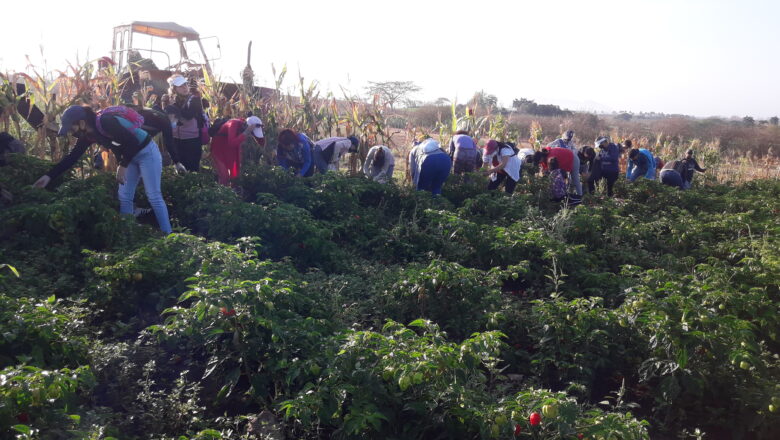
x=511, y=145
x=218, y=123
x=121, y=111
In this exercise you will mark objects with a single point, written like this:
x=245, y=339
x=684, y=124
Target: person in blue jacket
x=605, y=166
x=430, y=166
x=295, y=151
x=641, y=163
x=138, y=156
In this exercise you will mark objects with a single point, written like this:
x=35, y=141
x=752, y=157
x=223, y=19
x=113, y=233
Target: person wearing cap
x=567, y=141
x=606, y=165
x=227, y=146
x=689, y=166
x=327, y=153
x=379, y=164
x=502, y=165
x=671, y=174
x=186, y=112
x=464, y=154
x=294, y=151
x=430, y=166
x=138, y=155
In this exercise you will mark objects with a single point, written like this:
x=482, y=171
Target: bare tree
x=392, y=92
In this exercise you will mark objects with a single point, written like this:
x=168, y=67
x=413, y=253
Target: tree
x=528, y=106
x=774, y=120
x=483, y=99
x=391, y=92
x=749, y=121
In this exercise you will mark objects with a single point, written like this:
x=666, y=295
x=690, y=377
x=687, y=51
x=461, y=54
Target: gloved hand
x=179, y=168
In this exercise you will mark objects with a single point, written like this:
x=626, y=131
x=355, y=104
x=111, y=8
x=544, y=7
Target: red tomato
x=518, y=429
x=226, y=312
x=535, y=419
x=23, y=418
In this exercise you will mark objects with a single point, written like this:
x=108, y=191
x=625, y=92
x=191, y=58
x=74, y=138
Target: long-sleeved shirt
x=123, y=139
x=333, y=148
x=300, y=156
x=379, y=174
x=689, y=165
x=609, y=158
x=190, y=109
x=417, y=156
x=560, y=143
x=642, y=166
x=565, y=158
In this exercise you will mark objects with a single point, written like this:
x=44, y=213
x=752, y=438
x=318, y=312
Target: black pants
x=509, y=187
x=610, y=176
x=190, y=152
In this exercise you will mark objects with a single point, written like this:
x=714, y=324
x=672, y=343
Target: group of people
x=566, y=165
x=185, y=128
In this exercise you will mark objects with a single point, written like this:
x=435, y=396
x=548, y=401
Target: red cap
x=491, y=146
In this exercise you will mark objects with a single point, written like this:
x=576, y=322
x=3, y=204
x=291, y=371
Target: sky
x=695, y=57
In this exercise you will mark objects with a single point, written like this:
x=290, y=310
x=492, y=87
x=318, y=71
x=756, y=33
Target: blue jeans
x=146, y=166
x=434, y=171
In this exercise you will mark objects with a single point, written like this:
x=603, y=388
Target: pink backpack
x=121, y=111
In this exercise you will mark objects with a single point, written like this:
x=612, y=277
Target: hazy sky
x=699, y=57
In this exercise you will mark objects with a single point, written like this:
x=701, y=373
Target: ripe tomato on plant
x=534, y=419
x=226, y=312
x=518, y=429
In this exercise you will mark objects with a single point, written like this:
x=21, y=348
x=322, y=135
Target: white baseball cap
x=253, y=121
x=177, y=80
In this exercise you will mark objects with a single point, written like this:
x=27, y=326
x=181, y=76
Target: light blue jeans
x=146, y=166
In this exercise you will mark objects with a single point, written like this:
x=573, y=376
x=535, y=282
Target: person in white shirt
x=567, y=141
x=379, y=164
x=327, y=152
x=502, y=164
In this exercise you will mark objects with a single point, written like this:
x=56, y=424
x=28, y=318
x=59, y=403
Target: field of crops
x=334, y=307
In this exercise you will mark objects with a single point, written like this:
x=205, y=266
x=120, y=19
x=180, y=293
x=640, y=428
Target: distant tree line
x=528, y=106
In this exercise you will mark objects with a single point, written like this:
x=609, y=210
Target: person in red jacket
x=565, y=158
x=226, y=146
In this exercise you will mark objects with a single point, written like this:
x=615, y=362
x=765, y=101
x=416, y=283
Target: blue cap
x=72, y=115
x=355, y=141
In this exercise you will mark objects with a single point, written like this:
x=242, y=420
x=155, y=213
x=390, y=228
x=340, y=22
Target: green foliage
x=43, y=397
x=650, y=314
x=41, y=333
